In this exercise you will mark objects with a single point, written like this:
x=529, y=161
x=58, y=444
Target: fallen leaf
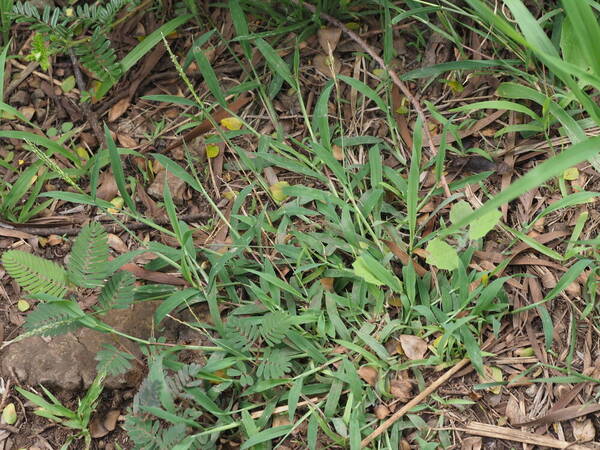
x=23, y=305
x=328, y=66
x=231, y=123
x=338, y=152
x=584, y=431
x=381, y=412
x=110, y=420
x=212, y=150
x=118, y=109
x=329, y=38
x=277, y=191
x=441, y=255
x=126, y=141
x=414, y=347
x=97, y=429
x=369, y=374
x=492, y=375
x=571, y=174
x=176, y=186
x=327, y=284
x=68, y=84
x=27, y=111
x=513, y=411
x=280, y=420
x=116, y=243
x=9, y=414
x=472, y=443
x=108, y=187
x=401, y=389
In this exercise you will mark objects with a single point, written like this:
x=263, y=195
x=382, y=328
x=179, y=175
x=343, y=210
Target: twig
x=393, y=75
x=20, y=78
x=414, y=402
x=109, y=227
x=87, y=109
x=493, y=431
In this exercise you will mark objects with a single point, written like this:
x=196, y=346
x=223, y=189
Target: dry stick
x=393, y=75
x=414, y=402
x=87, y=109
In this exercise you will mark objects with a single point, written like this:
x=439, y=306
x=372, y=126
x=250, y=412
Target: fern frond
x=98, y=56
x=276, y=363
x=118, y=291
x=143, y=433
x=34, y=274
x=274, y=327
x=113, y=361
x=241, y=332
x=88, y=263
x=54, y=318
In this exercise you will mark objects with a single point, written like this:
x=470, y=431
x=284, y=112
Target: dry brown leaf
x=338, y=152
x=108, y=187
x=327, y=283
x=584, y=431
x=414, y=347
x=118, y=109
x=110, y=420
x=176, y=186
x=369, y=374
x=27, y=111
x=54, y=240
x=97, y=429
x=328, y=67
x=513, y=411
x=116, y=243
x=329, y=38
x=472, y=443
x=381, y=412
x=401, y=389
x=126, y=141
x=404, y=445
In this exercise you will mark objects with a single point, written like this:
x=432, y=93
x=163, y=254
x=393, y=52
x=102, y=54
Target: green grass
x=307, y=293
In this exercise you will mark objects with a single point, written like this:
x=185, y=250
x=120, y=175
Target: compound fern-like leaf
x=89, y=257
x=276, y=363
x=54, y=318
x=98, y=56
x=274, y=327
x=34, y=274
x=113, y=361
x=118, y=291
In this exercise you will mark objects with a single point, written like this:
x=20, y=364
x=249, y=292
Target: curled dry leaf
x=513, y=412
x=110, y=420
x=118, y=109
x=329, y=38
x=381, y=412
x=401, y=389
x=126, y=141
x=584, y=431
x=472, y=443
x=414, y=347
x=116, y=243
x=176, y=186
x=328, y=66
x=97, y=429
x=327, y=283
x=369, y=374
x=108, y=187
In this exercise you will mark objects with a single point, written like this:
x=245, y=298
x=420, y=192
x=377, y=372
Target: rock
x=67, y=362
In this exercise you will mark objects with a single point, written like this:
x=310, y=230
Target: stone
x=67, y=362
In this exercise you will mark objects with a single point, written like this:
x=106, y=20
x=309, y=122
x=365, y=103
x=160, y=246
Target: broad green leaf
x=361, y=269
x=459, y=211
x=441, y=255
x=484, y=224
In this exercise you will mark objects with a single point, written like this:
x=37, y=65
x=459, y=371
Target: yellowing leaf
x=230, y=195
x=212, y=151
x=231, y=123
x=492, y=375
x=9, y=414
x=571, y=174
x=277, y=191
x=379, y=73
x=118, y=203
x=82, y=153
x=22, y=305
x=68, y=84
